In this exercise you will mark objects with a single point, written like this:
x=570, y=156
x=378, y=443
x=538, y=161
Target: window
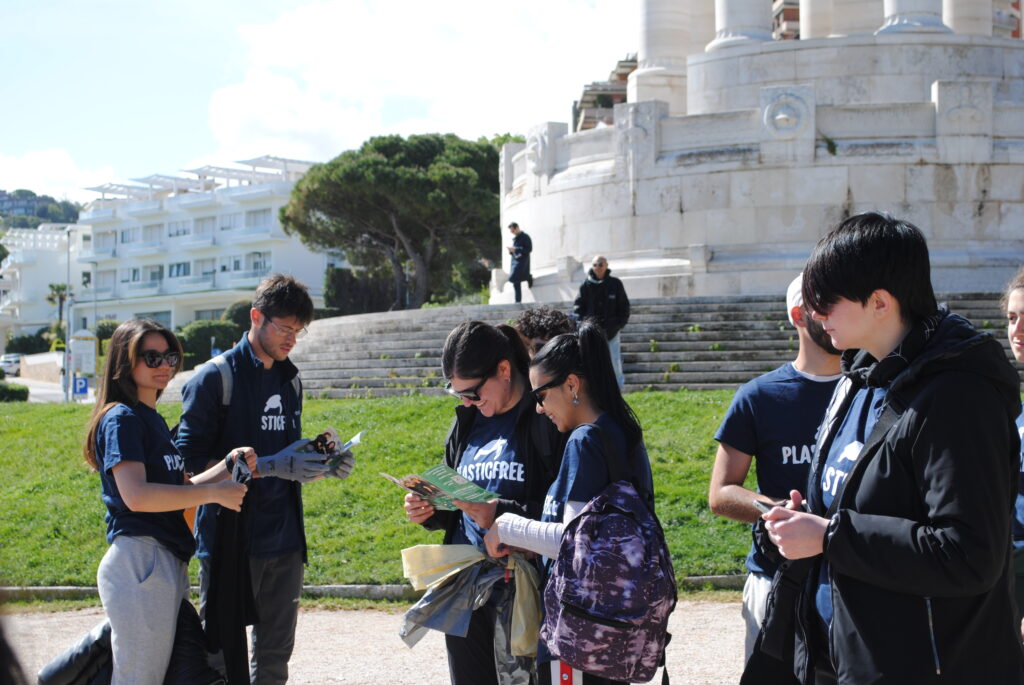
x=153, y=273
x=151, y=233
x=208, y=314
x=105, y=279
x=176, y=228
x=130, y=275
x=162, y=318
x=206, y=267
x=179, y=269
x=130, y=235
x=232, y=263
x=205, y=225
x=230, y=222
x=105, y=240
x=257, y=261
x=259, y=218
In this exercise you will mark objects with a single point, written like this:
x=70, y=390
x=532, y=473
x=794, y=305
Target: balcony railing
x=97, y=254
x=146, y=287
x=147, y=247
x=191, y=283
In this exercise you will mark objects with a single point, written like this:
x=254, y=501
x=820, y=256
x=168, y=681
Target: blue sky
x=111, y=90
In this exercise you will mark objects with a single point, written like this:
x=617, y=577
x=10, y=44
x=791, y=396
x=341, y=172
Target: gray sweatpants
x=276, y=586
x=141, y=584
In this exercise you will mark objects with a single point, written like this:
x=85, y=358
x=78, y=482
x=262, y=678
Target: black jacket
x=542, y=445
x=919, y=539
x=605, y=301
x=519, y=269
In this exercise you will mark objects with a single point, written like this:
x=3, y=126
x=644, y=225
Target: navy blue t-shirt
x=774, y=418
x=1018, y=519
x=275, y=518
x=140, y=434
x=493, y=461
x=861, y=417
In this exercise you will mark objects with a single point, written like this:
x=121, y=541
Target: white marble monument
x=731, y=160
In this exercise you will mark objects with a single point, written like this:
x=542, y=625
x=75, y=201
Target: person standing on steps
x=520, y=250
x=603, y=298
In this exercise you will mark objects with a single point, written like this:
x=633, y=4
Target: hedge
x=13, y=393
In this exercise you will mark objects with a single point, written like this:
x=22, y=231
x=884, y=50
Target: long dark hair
x=585, y=353
x=116, y=383
x=474, y=349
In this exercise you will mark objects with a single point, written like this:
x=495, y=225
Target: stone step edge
x=388, y=592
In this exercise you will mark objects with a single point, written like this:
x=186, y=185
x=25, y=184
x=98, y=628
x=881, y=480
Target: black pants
x=471, y=658
x=517, y=286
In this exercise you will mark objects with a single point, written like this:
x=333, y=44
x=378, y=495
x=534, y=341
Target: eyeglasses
x=471, y=394
x=286, y=331
x=547, y=386
x=154, y=359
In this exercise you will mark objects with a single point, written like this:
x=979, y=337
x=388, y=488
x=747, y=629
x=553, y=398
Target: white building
x=38, y=257
x=177, y=249
x=735, y=153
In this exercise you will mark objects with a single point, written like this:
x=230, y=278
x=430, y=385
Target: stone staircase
x=695, y=343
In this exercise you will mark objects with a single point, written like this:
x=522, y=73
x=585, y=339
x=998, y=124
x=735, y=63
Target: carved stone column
x=661, y=59
x=739, y=22
x=913, y=16
x=815, y=18
x=972, y=17
x=856, y=17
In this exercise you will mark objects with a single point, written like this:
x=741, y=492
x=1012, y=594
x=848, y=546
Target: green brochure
x=440, y=484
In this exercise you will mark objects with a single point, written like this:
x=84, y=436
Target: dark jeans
x=1018, y=567
x=276, y=585
x=517, y=286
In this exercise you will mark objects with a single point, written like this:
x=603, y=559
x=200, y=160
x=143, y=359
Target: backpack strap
x=227, y=378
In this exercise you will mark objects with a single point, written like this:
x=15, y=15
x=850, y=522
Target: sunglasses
x=471, y=394
x=547, y=386
x=154, y=359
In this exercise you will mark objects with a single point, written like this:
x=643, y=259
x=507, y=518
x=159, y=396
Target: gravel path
x=362, y=647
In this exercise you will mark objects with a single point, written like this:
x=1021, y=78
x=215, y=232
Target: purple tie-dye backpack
x=611, y=589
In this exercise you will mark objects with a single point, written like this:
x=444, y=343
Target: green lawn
x=52, y=530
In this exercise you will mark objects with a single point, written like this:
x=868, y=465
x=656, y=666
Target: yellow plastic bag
x=428, y=565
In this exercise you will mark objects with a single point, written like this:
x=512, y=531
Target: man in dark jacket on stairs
x=905, y=538
x=603, y=299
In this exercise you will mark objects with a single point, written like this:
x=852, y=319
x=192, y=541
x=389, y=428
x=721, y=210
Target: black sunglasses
x=547, y=386
x=154, y=359
x=471, y=394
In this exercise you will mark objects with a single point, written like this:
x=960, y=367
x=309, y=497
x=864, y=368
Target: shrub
x=13, y=393
x=28, y=344
x=2, y=375
x=238, y=314
x=195, y=337
x=104, y=328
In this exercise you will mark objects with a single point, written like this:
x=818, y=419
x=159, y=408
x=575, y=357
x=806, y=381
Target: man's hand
x=797, y=534
x=482, y=513
x=341, y=466
x=246, y=454
x=417, y=509
x=291, y=464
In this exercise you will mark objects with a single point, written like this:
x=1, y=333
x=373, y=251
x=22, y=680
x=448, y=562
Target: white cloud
x=325, y=77
x=51, y=172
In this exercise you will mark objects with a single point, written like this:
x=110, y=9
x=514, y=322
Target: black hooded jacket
x=918, y=544
x=605, y=301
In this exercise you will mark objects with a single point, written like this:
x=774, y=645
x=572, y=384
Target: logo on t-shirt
x=174, y=462
x=836, y=474
x=797, y=454
x=271, y=422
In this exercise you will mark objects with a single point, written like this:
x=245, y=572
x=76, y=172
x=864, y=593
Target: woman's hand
x=797, y=534
x=482, y=513
x=228, y=494
x=495, y=547
x=417, y=509
x=248, y=455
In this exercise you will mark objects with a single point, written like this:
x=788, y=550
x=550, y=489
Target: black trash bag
x=90, y=660
x=189, y=665
x=87, y=662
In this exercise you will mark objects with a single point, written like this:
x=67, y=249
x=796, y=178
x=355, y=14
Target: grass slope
x=52, y=530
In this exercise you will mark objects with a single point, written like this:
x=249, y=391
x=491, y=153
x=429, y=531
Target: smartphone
x=761, y=506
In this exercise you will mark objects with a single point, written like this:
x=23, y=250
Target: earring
x=575, y=400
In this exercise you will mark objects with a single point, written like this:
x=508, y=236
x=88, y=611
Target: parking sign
x=80, y=389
